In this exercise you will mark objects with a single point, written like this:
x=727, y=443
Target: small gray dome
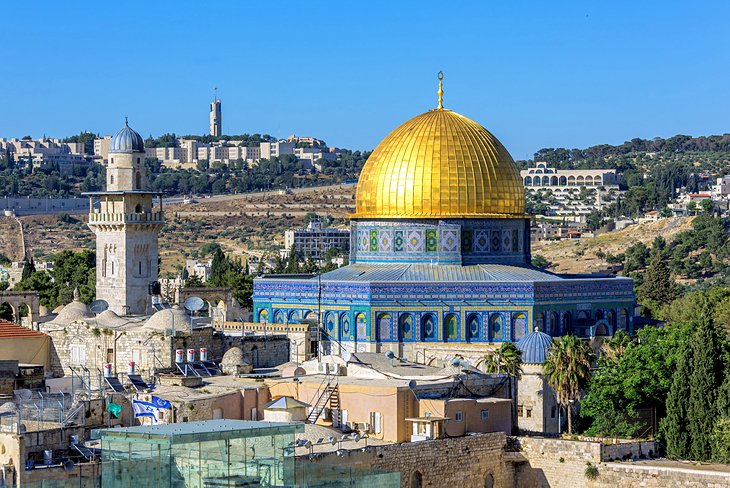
x=535, y=347
x=126, y=141
x=233, y=357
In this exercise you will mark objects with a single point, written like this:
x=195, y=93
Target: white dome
x=74, y=312
x=164, y=320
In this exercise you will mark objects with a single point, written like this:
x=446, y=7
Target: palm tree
x=568, y=370
x=506, y=359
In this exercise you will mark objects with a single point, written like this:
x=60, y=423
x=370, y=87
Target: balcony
x=129, y=218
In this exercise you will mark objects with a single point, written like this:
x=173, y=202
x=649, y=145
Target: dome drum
x=441, y=241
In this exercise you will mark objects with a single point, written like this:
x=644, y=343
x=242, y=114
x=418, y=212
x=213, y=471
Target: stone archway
x=216, y=298
x=17, y=299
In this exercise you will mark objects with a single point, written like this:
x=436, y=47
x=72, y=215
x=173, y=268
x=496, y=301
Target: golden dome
x=440, y=164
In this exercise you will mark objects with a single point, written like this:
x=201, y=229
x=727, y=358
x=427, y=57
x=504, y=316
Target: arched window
x=553, y=327
x=405, y=327
x=583, y=318
x=623, y=319
x=472, y=327
x=293, y=315
x=545, y=181
x=567, y=323
x=563, y=181
x=496, y=327
x=345, y=324
x=384, y=323
x=571, y=180
x=599, y=315
x=278, y=317
x=138, y=208
x=138, y=181
x=451, y=327
x=519, y=325
x=361, y=327
x=310, y=315
x=428, y=327
x=330, y=324
x=489, y=481
x=417, y=480
x=263, y=316
x=528, y=180
x=601, y=330
x=540, y=322
x=554, y=180
x=612, y=318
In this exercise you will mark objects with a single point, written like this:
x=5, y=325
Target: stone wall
x=151, y=349
x=562, y=463
x=463, y=462
x=640, y=476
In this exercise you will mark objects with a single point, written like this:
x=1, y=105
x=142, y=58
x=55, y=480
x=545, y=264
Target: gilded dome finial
x=441, y=90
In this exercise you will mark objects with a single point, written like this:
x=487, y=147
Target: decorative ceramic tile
x=481, y=241
x=399, y=241
x=467, y=242
x=386, y=241
x=414, y=241
x=431, y=240
x=449, y=240
x=373, y=240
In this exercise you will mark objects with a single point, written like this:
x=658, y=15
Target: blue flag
x=160, y=403
x=145, y=409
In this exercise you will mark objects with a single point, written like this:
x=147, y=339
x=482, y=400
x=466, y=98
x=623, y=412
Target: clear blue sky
x=537, y=74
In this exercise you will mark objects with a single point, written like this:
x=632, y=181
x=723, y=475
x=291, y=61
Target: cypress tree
x=28, y=269
x=218, y=268
x=674, y=425
x=658, y=285
x=704, y=381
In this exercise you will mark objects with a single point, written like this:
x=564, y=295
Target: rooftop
x=10, y=330
x=188, y=431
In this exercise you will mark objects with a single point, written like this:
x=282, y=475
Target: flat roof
x=203, y=430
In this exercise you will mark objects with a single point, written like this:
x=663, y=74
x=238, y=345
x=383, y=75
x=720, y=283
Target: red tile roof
x=9, y=330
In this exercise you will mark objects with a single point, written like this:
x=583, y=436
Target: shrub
x=591, y=471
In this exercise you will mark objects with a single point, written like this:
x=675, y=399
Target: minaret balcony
x=129, y=218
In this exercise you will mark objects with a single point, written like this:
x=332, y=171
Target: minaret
x=126, y=227
x=215, y=115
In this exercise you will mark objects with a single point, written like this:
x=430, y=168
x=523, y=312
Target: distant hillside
x=710, y=149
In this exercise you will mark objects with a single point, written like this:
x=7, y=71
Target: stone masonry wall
x=543, y=467
x=464, y=462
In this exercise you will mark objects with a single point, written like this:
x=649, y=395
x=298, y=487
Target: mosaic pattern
x=481, y=241
x=467, y=241
x=346, y=325
x=386, y=241
x=363, y=241
x=373, y=240
x=399, y=241
x=515, y=240
x=431, y=240
x=405, y=327
x=414, y=241
x=361, y=326
x=385, y=322
x=473, y=326
x=428, y=327
x=449, y=241
x=451, y=327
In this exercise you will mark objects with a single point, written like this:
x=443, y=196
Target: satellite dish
x=98, y=306
x=68, y=465
x=456, y=362
x=356, y=437
x=412, y=384
x=389, y=354
x=24, y=394
x=193, y=304
x=332, y=440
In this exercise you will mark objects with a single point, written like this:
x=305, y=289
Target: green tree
x=539, y=261
x=194, y=281
x=28, y=269
x=658, y=285
x=704, y=381
x=674, y=425
x=707, y=206
x=218, y=268
x=720, y=440
x=567, y=369
x=506, y=359
x=292, y=263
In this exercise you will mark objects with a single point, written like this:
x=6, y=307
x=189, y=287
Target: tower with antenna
x=216, y=123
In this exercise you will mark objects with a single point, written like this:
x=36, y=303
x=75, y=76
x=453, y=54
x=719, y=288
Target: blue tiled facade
x=469, y=291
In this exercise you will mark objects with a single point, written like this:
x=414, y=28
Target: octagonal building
x=440, y=256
